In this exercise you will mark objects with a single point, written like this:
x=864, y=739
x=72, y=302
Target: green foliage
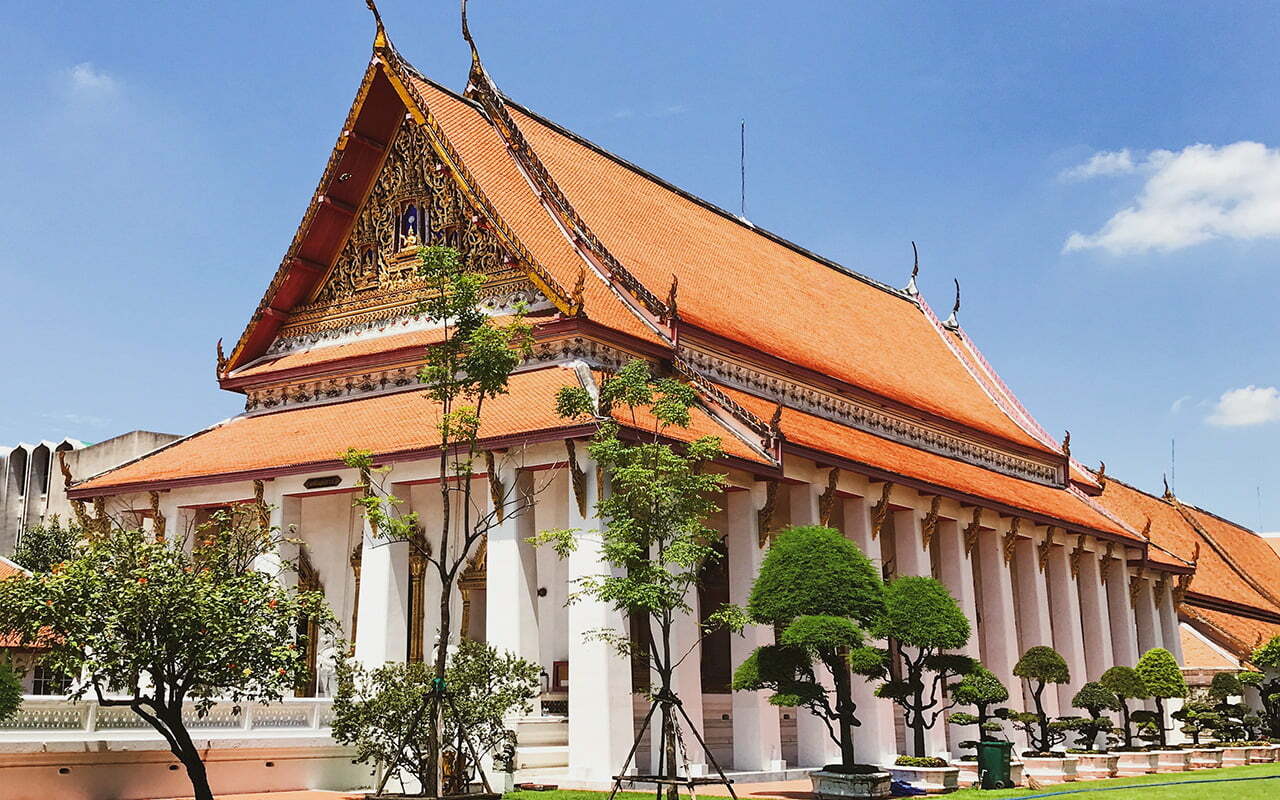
x=1224, y=685
x=812, y=570
x=150, y=620
x=1267, y=656
x=925, y=620
x=383, y=712
x=820, y=590
x=919, y=761
x=1043, y=664
x=1267, y=659
x=981, y=689
x=1161, y=674
x=1094, y=698
x=41, y=547
x=1198, y=717
x=1126, y=684
x=10, y=692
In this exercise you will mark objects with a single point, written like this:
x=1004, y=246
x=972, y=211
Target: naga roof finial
x=1168, y=493
x=380, y=40
x=222, y=358
x=912, y=289
x=477, y=69
x=1066, y=444
x=953, y=321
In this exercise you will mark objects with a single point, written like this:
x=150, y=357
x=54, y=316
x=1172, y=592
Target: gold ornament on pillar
x=577, y=476
x=1076, y=555
x=880, y=511
x=1044, y=548
x=157, y=519
x=77, y=506
x=929, y=527
x=1010, y=540
x=260, y=507
x=971, y=532
x=764, y=517
x=496, y=490
x=357, y=557
x=417, y=605
x=1161, y=584
x=101, y=525
x=1135, y=582
x=827, y=500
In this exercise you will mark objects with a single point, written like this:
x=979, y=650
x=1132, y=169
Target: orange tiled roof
x=1238, y=634
x=1196, y=653
x=826, y=436
x=326, y=353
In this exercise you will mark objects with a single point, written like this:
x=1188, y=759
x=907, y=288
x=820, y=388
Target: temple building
x=839, y=399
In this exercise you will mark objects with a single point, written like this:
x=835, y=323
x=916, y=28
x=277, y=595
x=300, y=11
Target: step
x=542, y=757
x=540, y=731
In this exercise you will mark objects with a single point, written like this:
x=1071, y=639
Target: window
x=46, y=681
x=410, y=230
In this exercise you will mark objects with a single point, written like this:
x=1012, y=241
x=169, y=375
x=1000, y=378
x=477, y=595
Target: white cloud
x=1179, y=403
x=1192, y=196
x=87, y=79
x=1252, y=405
x=1114, y=162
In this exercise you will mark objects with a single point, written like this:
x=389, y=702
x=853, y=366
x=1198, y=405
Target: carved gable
x=415, y=201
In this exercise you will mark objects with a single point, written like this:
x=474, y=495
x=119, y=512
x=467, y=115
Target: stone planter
x=1260, y=755
x=1205, y=758
x=934, y=780
x=969, y=773
x=1235, y=756
x=1171, y=760
x=1050, y=770
x=1131, y=764
x=1096, y=766
x=839, y=785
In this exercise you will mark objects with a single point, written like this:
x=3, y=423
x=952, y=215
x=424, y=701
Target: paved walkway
x=785, y=790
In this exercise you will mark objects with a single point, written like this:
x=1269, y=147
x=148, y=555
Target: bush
x=981, y=689
x=10, y=692
x=1094, y=698
x=919, y=761
x=1163, y=678
x=1126, y=684
x=1039, y=667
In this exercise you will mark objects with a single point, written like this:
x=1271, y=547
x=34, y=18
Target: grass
x=1141, y=789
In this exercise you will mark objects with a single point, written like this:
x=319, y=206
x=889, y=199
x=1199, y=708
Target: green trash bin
x=993, y=764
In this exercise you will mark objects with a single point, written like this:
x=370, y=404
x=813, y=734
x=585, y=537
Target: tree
x=41, y=547
x=923, y=621
x=1163, y=678
x=1266, y=658
x=1039, y=667
x=10, y=692
x=1126, y=684
x=655, y=537
x=981, y=689
x=164, y=627
x=1094, y=698
x=469, y=366
x=379, y=712
x=1198, y=717
x=821, y=592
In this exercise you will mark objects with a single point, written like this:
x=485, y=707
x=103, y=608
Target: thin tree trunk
x=844, y=707
x=1124, y=720
x=1160, y=722
x=1042, y=719
x=188, y=754
x=917, y=724
x=669, y=720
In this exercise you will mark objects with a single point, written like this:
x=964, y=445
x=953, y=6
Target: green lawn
x=1236, y=790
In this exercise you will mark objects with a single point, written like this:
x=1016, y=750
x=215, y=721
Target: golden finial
x=380, y=40
x=775, y=421
x=222, y=358
x=912, y=289
x=575, y=299
x=1168, y=493
x=1101, y=475
x=1146, y=530
x=66, y=471
x=671, y=297
x=1066, y=444
x=953, y=321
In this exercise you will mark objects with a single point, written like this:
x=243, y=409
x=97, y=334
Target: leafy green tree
x=821, y=592
x=471, y=365
x=41, y=547
x=924, y=622
x=1198, y=717
x=1094, y=698
x=981, y=689
x=164, y=627
x=1163, y=678
x=10, y=692
x=1041, y=666
x=1126, y=684
x=655, y=536
x=1266, y=658
x=380, y=712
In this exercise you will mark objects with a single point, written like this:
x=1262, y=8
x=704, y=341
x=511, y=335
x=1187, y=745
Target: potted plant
x=1094, y=698
x=819, y=590
x=1041, y=666
x=923, y=622
x=982, y=690
x=1267, y=659
x=1163, y=678
x=1198, y=718
x=1126, y=684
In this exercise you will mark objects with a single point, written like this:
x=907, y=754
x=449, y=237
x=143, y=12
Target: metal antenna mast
x=742, y=166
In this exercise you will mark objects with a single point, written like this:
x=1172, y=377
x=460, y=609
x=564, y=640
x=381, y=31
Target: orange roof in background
x=741, y=284
x=1250, y=552
x=324, y=353
x=823, y=435
x=388, y=424
x=1240, y=635
x=1196, y=653
x=8, y=569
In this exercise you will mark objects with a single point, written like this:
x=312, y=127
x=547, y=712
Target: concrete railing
x=41, y=715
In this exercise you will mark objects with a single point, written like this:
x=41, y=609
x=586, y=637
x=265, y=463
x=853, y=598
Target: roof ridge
x=707, y=204
x=1258, y=586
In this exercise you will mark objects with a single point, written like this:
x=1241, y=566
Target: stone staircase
x=542, y=746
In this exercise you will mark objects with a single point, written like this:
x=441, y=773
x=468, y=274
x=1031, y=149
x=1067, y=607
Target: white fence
x=61, y=717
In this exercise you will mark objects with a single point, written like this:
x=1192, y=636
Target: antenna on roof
x=912, y=289
x=953, y=321
x=742, y=167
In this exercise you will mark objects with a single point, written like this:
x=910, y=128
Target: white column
x=1095, y=620
x=511, y=582
x=873, y=741
x=999, y=632
x=383, y=624
x=913, y=559
x=1169, y=621
x=686, y=682
x=757, y=736
x=1068, y=635
x=1124, y=625
x=956, y=572
x=1033, y=614
x=1144, y=606
x=815, y=747
x=600, y=707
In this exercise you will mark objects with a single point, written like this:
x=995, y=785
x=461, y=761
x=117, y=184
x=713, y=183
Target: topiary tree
x=1266, y=658
x=1163, y=678
x=1198, y=717
x=981, y=689
x=923, y=621
x=1126, y=684
x=10, y=692
x=1039, y=667
x=821, y=592
x=1094, y=698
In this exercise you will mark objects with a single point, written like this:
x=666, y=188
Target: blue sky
x=1099, y=176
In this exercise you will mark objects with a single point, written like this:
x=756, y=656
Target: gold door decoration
x=375, y=276
x=472, y=579
x=308, y=627
x=417, y=604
